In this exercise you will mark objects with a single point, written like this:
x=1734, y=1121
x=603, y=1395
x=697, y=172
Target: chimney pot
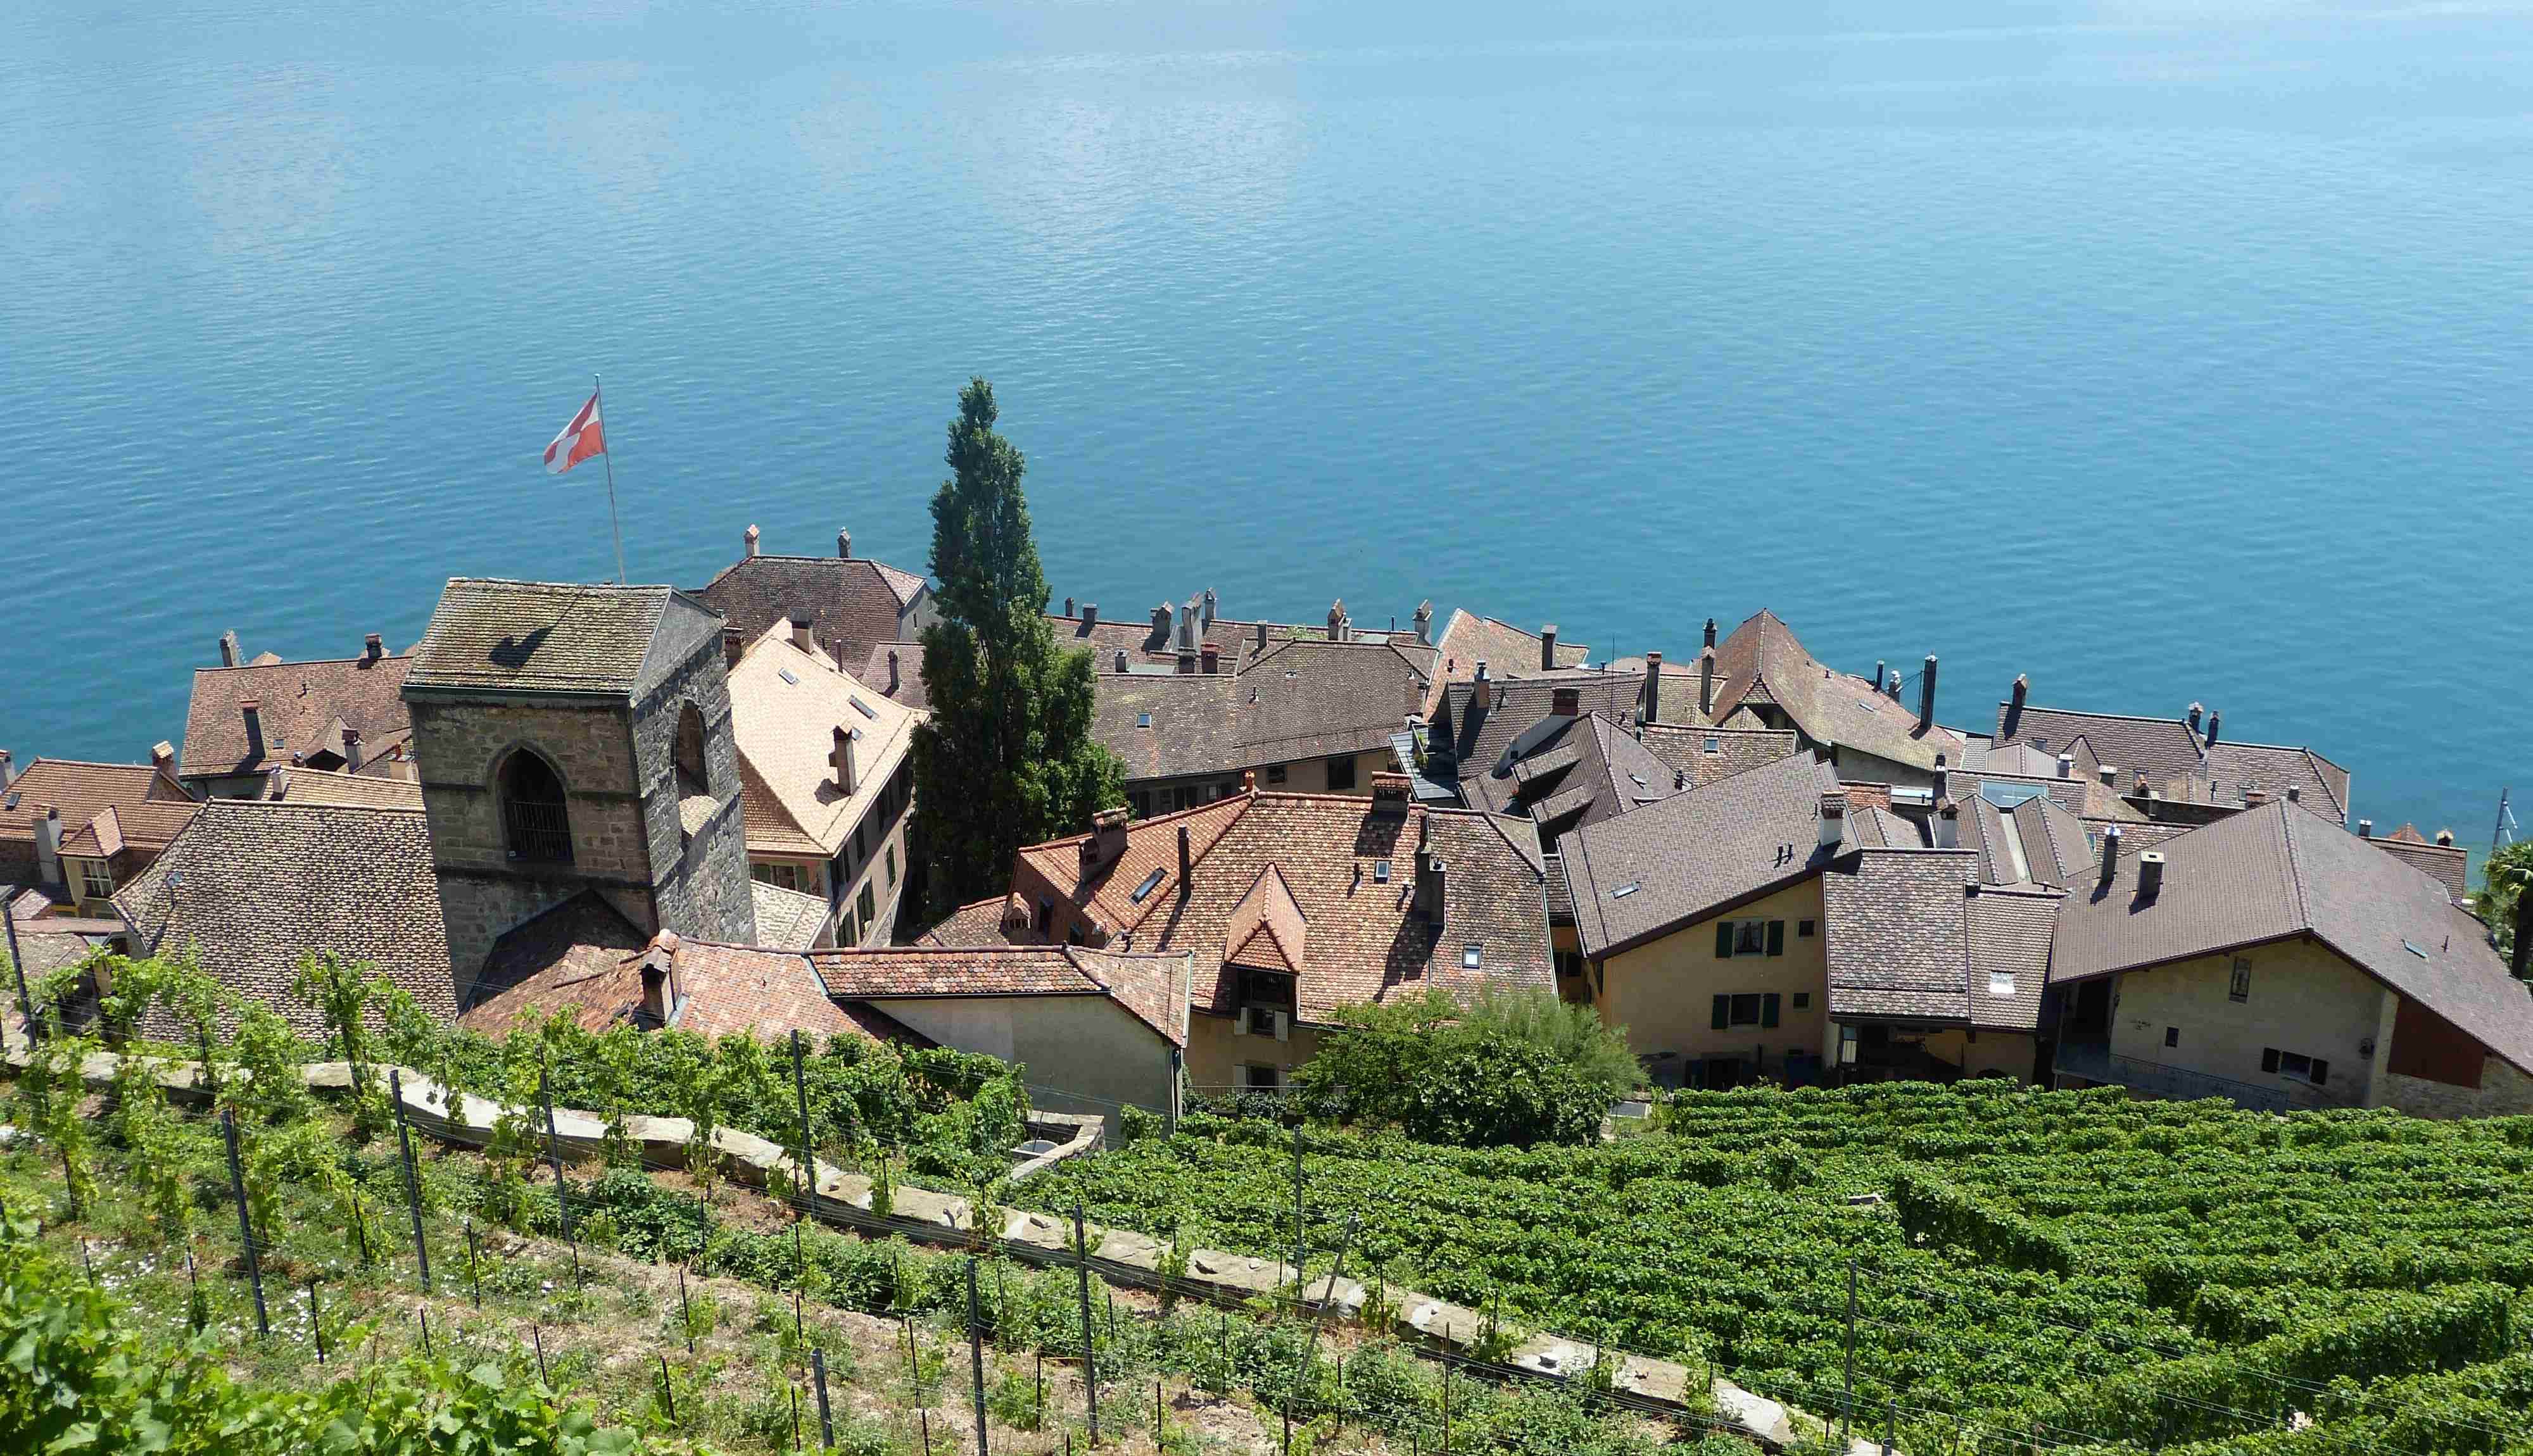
x=843, y=544
x=1391, y=793
x=1833, y=817
x=8, y=768
x=2196, y=711
x=1926, y=696
x=1483, y=694
x=351, y=750
x=2366, y=828
x=374, y=647
x=231, y=653
x=1211, y=657
x=1161, y=621
x=2013, y=704
x=1890, y=688
x=2212, y=720
x=1710, y=633
x=1208, y=621
x=2066, y=766
x=1425, y=622
x=1547, y=648
x=1121, y=659
x=1879, y=667
x=252, y=713
x=1106, y=842
x=2445, y=838
x=2295, y=793
x=2149, y=874
x=2110, y=853
x=751, y=538
x=1091, y=614
x=2110, y=775
x=1653, y=687
x=1068, y=606
x=1948, y=824
x=1186, y=864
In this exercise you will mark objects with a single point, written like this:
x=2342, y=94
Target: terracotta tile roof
x=580, y=957
x=331, y=786
x=1763, y=662
x=1468, y=640
x=787, y=919
x=1300, y=700
x=979, y=922
x=304, y=709
x=1150, y=986
x=555, y=637
x=1645, y=874
x=1365, y=943
x=850, y=602
x=767, y=994
x=135, y=805
x=1268, y=929
x=2270, y=872
x=256, y=885
x=1736, y=750
x=785, y=708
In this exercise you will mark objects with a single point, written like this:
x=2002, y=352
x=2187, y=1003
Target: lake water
x=2160, y=351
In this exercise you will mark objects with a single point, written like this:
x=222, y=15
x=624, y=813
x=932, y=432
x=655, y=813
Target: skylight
x=1626, y=890
x=2414, y=950
x=2000, y=983
x=1639, y=778
x=1151, y=882
x=1470, y=954
x=1714, y=745
x=1143, y=720
x=1381, y=873
x=2007, y=796
x=863, y=708
x=785, y=674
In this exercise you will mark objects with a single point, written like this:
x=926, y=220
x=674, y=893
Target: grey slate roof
x=1912, y=935
x=1696, y=852
x=1300, y=700
x=1589, y=770
x=2174, y=757
x=1762, y=660
x=556, y=637
x=263, y=882
x=1475, y=739
x=2275, y=871
x=852, y=603
x=1737, y=749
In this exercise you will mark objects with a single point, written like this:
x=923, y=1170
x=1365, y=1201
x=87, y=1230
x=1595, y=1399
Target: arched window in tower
x=692, y=779
x=535, y=822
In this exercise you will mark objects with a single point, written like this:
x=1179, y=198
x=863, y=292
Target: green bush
x=1511, y=1067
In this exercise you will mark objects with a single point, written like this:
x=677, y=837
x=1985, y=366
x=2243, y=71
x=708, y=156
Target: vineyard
x=2069, y=1270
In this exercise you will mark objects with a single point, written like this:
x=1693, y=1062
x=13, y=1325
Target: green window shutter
x=1768, y=1009
x=1776, y=937
x=1723, y=1012
x=2269, y=1059
x=1722, y=943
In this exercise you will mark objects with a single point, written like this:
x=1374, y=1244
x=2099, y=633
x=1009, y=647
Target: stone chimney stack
x=351, y=750
x=1653, y=687
x=1338, y=620
x=2445, y=838
x=1948, y=824
x=231, y=653
x=1210, y=658
x=2212, y=720
x=1881, y=669
x=1547, y=648
x=2013, y=704
x=1891, y=686
x=2366, y=828
x=48, y=847
x=1186, y=864
x=1089, y=614
x=1121, y=661
x=1207, y=604
x=2111, y=775
x=1432, y=883
x=2110, y=853
x=843, y=544
x=1706, y=681
x=1261, y=635
x=1943, y=785
x=373, y=647
x=2196, y=712
x=804, y=636
x=8, y=768
x=659, y=979
x=1710, y=633
x=2066, y=766
x=1425, y=622
x=842, y=760
x=1926, y=696
x=1161, y=621
x=1483, y=691
x=1106, y=842
x=751, y=539
x=1833, y=818
x=733, y=646
x=893, y=678
x=2295, y=793
x=2149, y=873
x=1068, y=606
x=252, y=713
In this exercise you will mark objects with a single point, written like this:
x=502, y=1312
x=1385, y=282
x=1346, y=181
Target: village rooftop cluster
x=690, y=808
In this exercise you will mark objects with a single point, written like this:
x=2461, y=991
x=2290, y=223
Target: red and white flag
x=580, y=440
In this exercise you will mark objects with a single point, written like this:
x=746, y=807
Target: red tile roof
x=148, y=809
x=1150, y=986
x=303, y=708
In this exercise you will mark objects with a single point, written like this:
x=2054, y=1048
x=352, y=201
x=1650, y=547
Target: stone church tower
x=571, y=739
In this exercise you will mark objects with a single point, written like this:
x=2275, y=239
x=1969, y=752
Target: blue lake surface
x=2160, y=351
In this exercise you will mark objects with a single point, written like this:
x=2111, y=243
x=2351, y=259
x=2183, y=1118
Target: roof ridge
x=2030, y=707
x=358, y=657
x=308, y=806
x=2295, y=867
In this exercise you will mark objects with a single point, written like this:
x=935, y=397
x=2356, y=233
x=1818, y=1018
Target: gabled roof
x=787, y=919
x=979, y=922
x=2447, y=864
x=1300, y=700
x=2177, y=761
x=1468, y=639
x=256, y=885
x=304, y=709
x=1329, y=851
x=147, y=808
x=1587, y=769
x=1643, y=875
x=1763, y=661
x=850, y=602
x=1151, y=987
x=785, y=708
x=1476, y=738
x=555, y=637
x=1911, y=934
x=578, y=958
x=907, y=664
x=1268, y=929
x=2271, y=872
x=1684, y=746
x=333, y=787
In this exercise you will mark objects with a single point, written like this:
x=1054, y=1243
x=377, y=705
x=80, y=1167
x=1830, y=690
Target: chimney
x=2295, y=793
x=843, y=544
x=1121, y=661
x=1483, y=694
x=2445, y=838
x=2254, y=797
x=2212, y=718
x=1547, y=648
x=1431, y=879
x=1710, y=632
x=2014, y=705
x=2366, y=828
x=1833, y=818
x=1212, y=658
x=2066, y=766
x=1943, y=784
x=8, y=768
x=2149, y=874
x=1880, y=668
x=231, y=653
x=892, y=673
x=1068, y=606
x=2111, y=775
x=1926, y=696
x=1089, y=614
x=750, y=538
x=1425, y=622
x=1161, y=621
x=2195, y=713
x=253, y=712
x=1706, y=681
x=1948, y=823
x=1187, y=865
x=842, y=760
x=659, y=978
x=733, y=646
x=1106, y=842
x=1890, y=688
x=48, y=848
x=373, y=647
x=2110, y=853
x=1207, y=623
x=351, y=750
x=1391, y=795
x=1338, y=620
x=1653, y=687
x=162, y=757
x=802, y=637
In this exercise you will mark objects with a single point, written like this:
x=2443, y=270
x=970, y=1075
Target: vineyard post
x=1300, y=1253
x=1847, y=1387
x=826, y=1418
x=211, y=1071
x=800, y=1087
x=795, y=1413
x=315, y=1319
x=562, y=1195
x=977, y=1356
x=423, y=1312
x=194, y=1308
x=246, y=1228
x=70, y=1180
x=1090, y=1352
x=472, y=1280
x=685, y=1310
x=667, y=1390
x=412, y=1179
x=1890, y=1425
x=537, y=1333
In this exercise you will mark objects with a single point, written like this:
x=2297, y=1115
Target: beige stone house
x=81, y=831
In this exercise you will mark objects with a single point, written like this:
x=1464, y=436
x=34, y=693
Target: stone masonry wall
x=2502, y=1091
x=700, y=882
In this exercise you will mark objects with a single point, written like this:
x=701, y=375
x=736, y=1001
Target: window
x=1714, y=744
x=846, y=933
x=1470, y=954
x=862, y=904
x=863, y=708
x=892, y=867
x=1142, y=803
x=798, y=877
x=1151, y=882
x=1626, y=890
x=1803, y=1001
x=1805, y=929
x=1340, y=775
x=2000, y=983
x=1381, y=873
x=689, y=754
x=535, y=822
x=1262, y=1078
x=96, y=882
x=1046, y=916
x=1274, y=773
x=1749, y=937
x=2172, y=1036
x=2295, y=1066
x=1143, y=720
x=1745, y=1008
x=1260, y=1020
x=1569, y=965
x=2239, y=986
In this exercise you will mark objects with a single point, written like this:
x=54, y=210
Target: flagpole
x=608, y=440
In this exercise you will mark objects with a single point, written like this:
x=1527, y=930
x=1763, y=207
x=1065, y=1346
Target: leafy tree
x=2504, y=878
x=1006, y=758
x=1509, y=1068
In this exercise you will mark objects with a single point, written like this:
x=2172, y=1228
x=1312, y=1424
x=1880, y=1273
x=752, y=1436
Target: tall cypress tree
x=1007, y=757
